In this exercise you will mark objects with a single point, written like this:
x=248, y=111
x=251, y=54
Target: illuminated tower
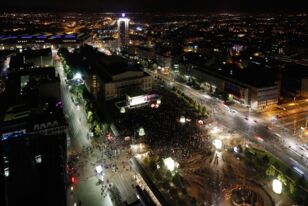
x=123, y=24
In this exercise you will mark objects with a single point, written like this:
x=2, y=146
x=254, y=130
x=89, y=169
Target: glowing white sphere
x=122, y=110
x=99, y=169
x=182, y=119
x=141, y=132
x=217, y=143
x=169, y=163
x=77, y=76
x=277, y=186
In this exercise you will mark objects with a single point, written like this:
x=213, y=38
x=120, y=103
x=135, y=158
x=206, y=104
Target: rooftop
x=43, y=37
x=256, y=75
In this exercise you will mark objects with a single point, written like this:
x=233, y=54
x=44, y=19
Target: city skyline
x=160, y=108
x=155, y=6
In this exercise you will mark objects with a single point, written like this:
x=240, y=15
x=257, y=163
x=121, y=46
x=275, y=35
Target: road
x=86, y=190
x=289, y=59
x=251, y=128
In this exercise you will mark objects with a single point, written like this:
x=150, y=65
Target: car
x=298, y=171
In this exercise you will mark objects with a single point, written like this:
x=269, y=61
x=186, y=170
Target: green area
x=271, y=168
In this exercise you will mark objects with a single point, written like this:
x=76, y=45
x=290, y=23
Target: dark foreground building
x=33, y=134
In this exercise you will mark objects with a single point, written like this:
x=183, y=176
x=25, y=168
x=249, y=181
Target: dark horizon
x=154, y=6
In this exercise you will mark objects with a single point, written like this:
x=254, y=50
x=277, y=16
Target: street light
x=217, y=143
x=99, y=169
x=277, y=186
x=77, y=76
x=170, y=164
x=141, y=132
x=182, y=119
x=158, y=101
x=122, y=110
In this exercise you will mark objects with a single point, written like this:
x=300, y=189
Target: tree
x=98, y=130
x=271, y=171
x=146, y=161
x=288, y=172
x=193, y=201
x=105, y=127
x=292, y=188
x=283, y=179
x=177, y=179
x=239, y=147
x=301, y=181
x=198, y=107
x=248, y=154
x=152, y=165
x=157, y=175
x=69, y=74
x=168, y=175
x=265, y=159
x=90, y=116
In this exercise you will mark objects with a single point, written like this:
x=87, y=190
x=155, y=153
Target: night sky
x=155, y=5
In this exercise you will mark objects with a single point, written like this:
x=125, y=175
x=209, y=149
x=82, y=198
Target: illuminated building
x=110, y=77
x=43, y=40
x=123, y=31
x=248, y=87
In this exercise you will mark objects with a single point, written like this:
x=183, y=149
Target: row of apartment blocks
x=259, y=86
x=256, y=95
x=43, y=40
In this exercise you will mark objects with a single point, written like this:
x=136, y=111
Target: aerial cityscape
x=181, y=107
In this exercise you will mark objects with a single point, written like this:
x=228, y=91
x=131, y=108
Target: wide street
x=86, y=189
x=255, y=128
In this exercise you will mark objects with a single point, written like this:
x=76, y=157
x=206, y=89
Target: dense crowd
x=163, y=131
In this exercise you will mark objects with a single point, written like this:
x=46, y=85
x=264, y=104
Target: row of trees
x=98, y=127
x=192, y=103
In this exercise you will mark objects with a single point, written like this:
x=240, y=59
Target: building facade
x=257, y=97
x=123, y=31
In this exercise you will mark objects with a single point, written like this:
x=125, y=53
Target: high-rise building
x=123, y=31
x=32, y=133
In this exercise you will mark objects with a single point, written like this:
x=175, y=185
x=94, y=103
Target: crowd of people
x=164, y=133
